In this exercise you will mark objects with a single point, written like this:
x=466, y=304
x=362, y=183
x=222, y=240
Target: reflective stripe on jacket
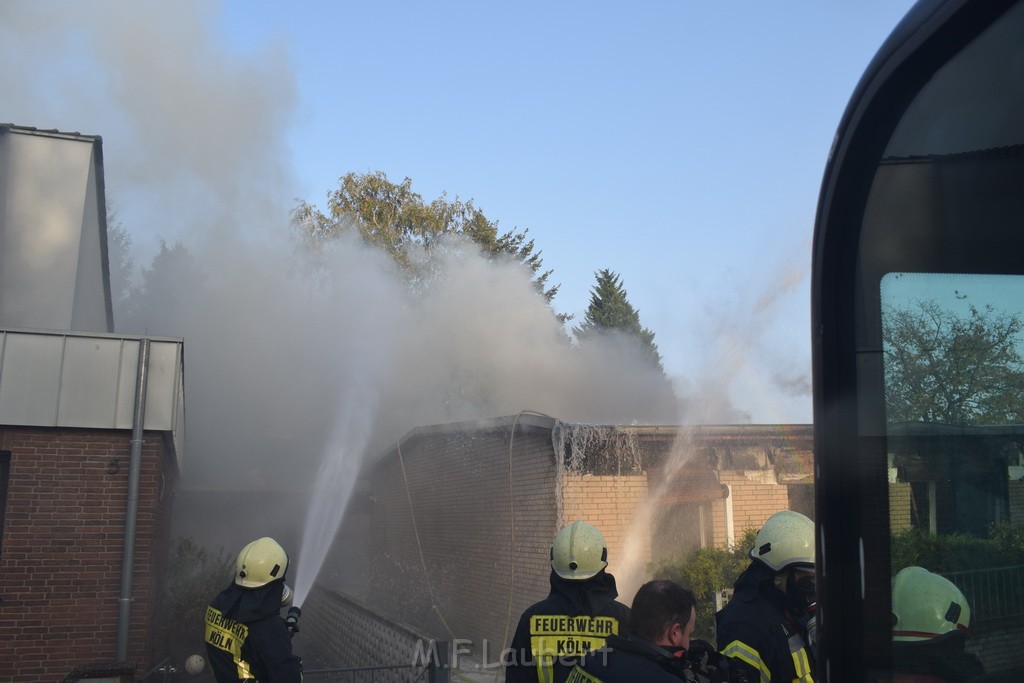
x=756, y=633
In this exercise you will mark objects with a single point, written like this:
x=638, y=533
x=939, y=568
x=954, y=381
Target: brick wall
x=480, y=567
x=899, y=506
x=617, y=505
x=61, y=553
x=756, y=496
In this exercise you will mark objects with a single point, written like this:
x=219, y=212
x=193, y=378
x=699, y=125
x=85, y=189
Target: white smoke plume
x=194, y=152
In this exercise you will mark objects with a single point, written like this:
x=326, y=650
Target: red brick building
x=91, y=428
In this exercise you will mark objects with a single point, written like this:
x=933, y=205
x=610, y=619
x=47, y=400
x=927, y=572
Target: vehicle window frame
x=849, y=408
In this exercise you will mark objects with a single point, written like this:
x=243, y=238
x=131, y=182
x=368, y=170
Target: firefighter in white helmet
x=579, y=613
x=768, y=626
x=931, y=623
x=246, y=638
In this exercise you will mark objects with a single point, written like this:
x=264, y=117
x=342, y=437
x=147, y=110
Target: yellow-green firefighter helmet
x=926, y=606
x=578, y=552
x=786, y=539
x=260, y=563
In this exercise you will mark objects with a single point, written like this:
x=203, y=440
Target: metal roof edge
x=100, y=335
x=49, y=132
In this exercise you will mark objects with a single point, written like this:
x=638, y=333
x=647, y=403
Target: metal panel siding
x=74, y=380
x=124, y=412
x=162, y=385
x=88, y=394
x=90, y=311
x=30, y=379
x=47, y=179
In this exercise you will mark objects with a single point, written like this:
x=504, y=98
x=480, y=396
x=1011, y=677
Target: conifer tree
x=610, y=312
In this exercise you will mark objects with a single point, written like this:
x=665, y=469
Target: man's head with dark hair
x=658, y=605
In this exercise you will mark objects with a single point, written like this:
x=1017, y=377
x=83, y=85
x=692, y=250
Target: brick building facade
x=62, y=547
x=91, y=427
x=457, y=520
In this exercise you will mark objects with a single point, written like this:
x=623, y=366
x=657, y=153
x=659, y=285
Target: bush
x=706, y=571
x=192, y=576
x=958, y=552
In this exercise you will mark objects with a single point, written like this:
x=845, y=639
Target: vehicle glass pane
x=949, y=351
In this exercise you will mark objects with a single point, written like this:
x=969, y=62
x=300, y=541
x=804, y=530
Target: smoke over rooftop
x=195, y=152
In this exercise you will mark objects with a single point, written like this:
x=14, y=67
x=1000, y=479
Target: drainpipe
x=128, y=561
x=730, y=531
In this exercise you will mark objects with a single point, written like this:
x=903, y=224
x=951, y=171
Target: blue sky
x=679, y=144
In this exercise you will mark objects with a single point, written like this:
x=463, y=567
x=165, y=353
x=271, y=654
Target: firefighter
x=579, y=613
x=246, y=638
x=659, y=648
x=768, y=627
x=931, y=623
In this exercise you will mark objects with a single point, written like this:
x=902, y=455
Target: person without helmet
x=768, y=627
x=579, y=613
x=931, y=623
x=659, y=648
x=246, y=639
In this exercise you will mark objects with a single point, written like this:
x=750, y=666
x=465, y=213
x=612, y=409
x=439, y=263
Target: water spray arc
x=333, y=488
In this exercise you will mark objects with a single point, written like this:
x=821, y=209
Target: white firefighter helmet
x=926, y=606
x=578, y=552
x=195, y=664
x=786, y=539
x=260, y=563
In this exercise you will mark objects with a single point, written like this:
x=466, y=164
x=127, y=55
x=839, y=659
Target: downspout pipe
x=128, y=561
x=730, y=526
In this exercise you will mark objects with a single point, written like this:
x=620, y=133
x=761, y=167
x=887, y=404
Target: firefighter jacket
x=755, y=630
x=634, y=660
x=575, y=618
x=246, y=639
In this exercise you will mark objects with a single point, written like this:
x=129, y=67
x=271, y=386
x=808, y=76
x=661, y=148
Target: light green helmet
x=578, y=552
x=927, y=606
x=260, y=563
x=786, y=539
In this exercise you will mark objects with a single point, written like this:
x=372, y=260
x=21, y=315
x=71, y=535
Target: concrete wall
x=61, y=553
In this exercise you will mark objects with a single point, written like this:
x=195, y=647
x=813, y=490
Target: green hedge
x=1003, y=547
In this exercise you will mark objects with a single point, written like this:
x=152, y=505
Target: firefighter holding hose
x=246, y=638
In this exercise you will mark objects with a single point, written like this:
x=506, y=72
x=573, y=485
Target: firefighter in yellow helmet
x=931, y=623
x=579, y=613
x=246, y=638
x=768, y=627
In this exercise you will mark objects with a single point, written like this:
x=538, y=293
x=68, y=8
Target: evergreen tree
x=610, y=312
